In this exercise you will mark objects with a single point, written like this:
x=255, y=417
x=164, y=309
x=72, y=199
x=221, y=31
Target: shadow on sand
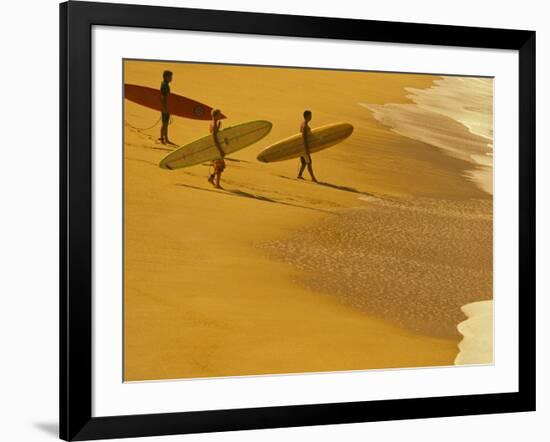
x=242, y=194
x=329, y=185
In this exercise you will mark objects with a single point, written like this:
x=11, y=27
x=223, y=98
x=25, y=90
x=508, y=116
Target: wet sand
x=417, y=261
x=206, y=295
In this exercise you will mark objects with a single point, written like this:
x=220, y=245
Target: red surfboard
x=177, y=105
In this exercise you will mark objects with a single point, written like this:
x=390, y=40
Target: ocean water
x=455, y=115
x=476, y=346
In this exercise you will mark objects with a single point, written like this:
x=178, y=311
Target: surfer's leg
x=218, y=177
x=310, y=170
x=212, y=175
x=164, y=128
x=302, y=168
x=166, y=136
x=162, y=138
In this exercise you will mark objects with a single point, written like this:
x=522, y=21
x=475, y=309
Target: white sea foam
x=464, y=99
x=477, y=345
x=455, y=114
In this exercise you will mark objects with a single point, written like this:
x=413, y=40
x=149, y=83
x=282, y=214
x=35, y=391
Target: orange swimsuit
x=219, y=165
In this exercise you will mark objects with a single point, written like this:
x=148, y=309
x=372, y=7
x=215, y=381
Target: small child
x=218, y=164
x=165, y=115
x=305, y=160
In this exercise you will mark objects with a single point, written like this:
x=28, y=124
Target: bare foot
x=211, y=180
x=300, y=177
x=218, y=187
x=169, y=142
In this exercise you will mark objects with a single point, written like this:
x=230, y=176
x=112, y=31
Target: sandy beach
x=368, y=269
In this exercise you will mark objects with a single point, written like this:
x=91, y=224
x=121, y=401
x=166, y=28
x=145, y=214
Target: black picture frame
x=76, y=21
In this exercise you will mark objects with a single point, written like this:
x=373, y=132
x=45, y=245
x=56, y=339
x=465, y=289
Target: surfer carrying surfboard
x=165, y=115
x=305, y=160
x=217, y=164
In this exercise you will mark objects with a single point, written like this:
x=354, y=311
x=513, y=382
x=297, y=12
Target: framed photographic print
x=273, y=220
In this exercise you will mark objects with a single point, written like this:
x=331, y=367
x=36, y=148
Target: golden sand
x=204, y=296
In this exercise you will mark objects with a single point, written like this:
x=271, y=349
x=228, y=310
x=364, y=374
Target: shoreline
x=454, y=115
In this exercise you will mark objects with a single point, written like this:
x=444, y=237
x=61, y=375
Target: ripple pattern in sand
x=413, y=263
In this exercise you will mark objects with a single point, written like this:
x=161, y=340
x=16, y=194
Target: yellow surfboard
x=231, y=140
x=293, y=147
